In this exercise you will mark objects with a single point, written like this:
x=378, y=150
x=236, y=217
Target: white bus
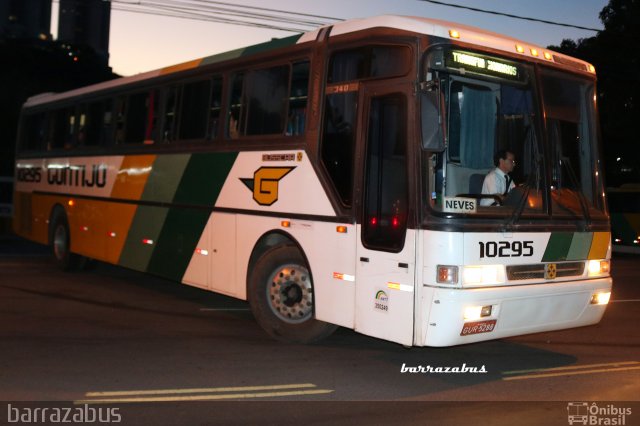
x=333, y=179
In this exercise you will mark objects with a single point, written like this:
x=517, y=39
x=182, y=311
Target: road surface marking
x=204, y=394
x=572, y=367
x=571, y=370
x=199, y=390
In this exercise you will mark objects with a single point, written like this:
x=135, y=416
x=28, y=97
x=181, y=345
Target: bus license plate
x=478, y=327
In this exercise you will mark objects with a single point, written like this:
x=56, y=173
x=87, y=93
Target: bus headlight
x=598, y=267
x=483, y=275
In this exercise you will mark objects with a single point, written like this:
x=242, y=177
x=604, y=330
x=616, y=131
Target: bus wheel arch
x=60, y=240
x=280, y=291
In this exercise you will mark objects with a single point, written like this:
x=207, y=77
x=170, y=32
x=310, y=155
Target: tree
x=615, y=52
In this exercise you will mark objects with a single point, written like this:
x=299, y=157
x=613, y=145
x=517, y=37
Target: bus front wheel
x=281, y=296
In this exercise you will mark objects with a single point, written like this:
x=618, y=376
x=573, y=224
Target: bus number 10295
x=506, y=249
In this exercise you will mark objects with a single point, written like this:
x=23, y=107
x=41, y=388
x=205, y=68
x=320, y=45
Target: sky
x=140, y=43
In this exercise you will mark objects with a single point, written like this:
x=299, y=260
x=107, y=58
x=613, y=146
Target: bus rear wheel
x=280, y=293
x=60, y=239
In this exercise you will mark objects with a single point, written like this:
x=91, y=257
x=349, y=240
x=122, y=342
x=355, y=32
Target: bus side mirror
x=431, y=118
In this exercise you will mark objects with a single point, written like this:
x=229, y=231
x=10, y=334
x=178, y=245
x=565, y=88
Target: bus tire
x=60, y=239
x=280, y=293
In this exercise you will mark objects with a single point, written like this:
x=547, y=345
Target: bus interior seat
x=475, y=183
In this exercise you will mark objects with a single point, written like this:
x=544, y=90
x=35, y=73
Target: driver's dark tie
x=507, y=179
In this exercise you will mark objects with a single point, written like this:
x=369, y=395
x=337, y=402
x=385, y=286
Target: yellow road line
x=569, y=373
x=199, y=390
x=203, y=397
x=572, y=367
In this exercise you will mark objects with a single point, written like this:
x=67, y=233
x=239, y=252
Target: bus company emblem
x=381, y=301
x=550, y=271
x=264, y=184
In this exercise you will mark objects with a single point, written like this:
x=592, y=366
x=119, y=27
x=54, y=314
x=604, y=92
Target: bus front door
x=385, y=262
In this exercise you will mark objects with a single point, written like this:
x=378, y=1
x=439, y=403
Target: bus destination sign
x=483, y=65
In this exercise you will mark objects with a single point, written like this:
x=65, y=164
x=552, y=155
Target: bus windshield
x=492, y=111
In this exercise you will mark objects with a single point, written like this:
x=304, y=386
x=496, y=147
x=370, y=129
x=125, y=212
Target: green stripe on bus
x=177, y=242
x=142, y=237
x=580, y=246
x=558, y=246
x=251, y=50
x=164, y=177
x=203, y=178
x=200, y=184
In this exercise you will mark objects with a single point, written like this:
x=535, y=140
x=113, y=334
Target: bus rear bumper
x=515, y=310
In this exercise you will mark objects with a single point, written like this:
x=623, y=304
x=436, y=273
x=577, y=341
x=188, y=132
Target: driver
x=497, y=181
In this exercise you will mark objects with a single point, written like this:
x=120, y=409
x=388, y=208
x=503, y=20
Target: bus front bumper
x=459, y=316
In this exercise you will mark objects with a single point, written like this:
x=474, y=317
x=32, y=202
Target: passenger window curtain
x=477, y=128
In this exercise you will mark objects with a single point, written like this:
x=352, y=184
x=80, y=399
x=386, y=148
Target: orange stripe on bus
x=121, y=217
x=599, y=245
x=181, y=67
x=132, y=177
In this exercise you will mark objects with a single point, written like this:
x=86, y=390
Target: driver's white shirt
x=494, y=183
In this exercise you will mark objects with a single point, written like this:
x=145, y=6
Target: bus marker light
x=71, y=203
x=112, y=234
x=447, y=274
x=398, y=286
x=344, y=277
x=598, y=267
x=548, y=56
x=203, y=252
x=285, y=224
x=85, y=228
x=147, y=241
x=454, y=34
x=592, y=69
x=341, y=229
x=600, y=298
x=534, y=52
x=519, y=48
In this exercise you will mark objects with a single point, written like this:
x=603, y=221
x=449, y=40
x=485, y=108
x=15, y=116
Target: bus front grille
x=537, y=271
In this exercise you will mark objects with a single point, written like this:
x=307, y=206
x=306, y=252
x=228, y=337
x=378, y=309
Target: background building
x=25, y=19
x=86, y=22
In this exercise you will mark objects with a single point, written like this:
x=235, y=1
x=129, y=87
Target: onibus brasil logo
x=264, y=183
x=594, y=414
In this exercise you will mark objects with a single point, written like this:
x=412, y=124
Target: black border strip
x=288, y=215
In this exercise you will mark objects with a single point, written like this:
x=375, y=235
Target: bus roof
x=414, y=24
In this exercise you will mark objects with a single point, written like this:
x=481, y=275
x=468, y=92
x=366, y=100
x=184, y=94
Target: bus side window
x=170, y=102
x=266, y=100
x=136, y=118
x=106, y=127
x=193, y=109
x=338, y=141
x=235, y=122
x=34, y=132
x=298, y=94
x=121, y=104
x=70, y=123
x=215, y=107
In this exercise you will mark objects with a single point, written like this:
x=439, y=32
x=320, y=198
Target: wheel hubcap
x=290, y=294
x=60, y=242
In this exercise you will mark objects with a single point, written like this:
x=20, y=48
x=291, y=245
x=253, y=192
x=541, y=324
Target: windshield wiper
x=517, y=212
x=581, y=197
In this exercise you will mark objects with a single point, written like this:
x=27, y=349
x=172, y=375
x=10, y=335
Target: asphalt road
x=112, y=338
